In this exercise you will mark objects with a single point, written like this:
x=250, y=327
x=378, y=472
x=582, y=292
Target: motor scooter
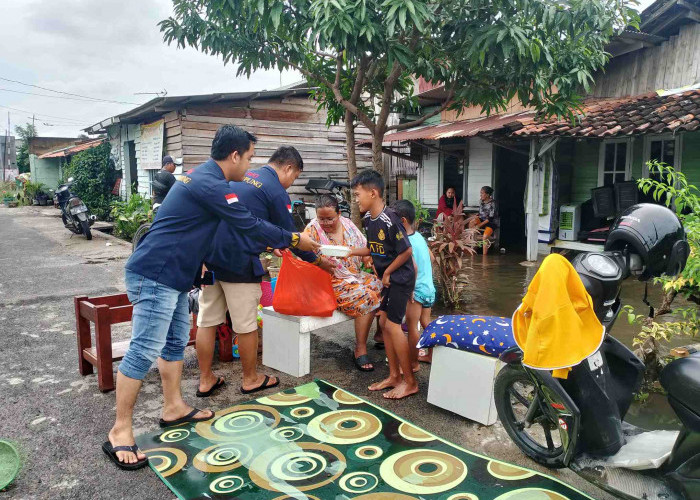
x=578, y=422
x=74, y=213
x=303, y=212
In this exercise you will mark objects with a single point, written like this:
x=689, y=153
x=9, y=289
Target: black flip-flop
x=363, y=360
x=186, y=419
x=378, y=345
x=262, y=386
x=111, y=452
x=219, y=383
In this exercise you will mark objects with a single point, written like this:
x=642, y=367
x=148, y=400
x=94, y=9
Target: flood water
x=498, y=283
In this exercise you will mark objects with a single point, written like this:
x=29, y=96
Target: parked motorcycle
x=578, y=422
x=74, y=213
x=143, y=229
x=303, y=212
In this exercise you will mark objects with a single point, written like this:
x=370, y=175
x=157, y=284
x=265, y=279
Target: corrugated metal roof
x=157, y=107
x=464, y=128
x=71, y=150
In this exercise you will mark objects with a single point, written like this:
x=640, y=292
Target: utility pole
x=7, y=147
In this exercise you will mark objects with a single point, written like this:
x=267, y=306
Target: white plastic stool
x=287, y=339
x=462, y=382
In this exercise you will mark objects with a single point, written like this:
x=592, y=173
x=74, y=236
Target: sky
x=111, y=50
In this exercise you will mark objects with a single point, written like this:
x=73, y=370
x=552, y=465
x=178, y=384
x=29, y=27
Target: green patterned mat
x=320, y=442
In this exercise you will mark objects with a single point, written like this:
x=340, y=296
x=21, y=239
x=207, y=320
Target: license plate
x=595, y=362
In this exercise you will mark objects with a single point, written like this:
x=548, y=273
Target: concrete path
x=60, y=419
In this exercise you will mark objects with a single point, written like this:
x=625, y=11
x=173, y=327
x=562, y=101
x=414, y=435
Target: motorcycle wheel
x=85, y=229
x=515, y=393
x=139, y=234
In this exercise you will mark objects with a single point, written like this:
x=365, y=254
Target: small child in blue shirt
x=419, y=307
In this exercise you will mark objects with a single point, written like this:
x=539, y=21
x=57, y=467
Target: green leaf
x=261, y=7
x=402, y=18
x=276, y=14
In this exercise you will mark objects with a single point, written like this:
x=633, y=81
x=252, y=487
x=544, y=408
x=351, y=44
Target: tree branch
x=338, y=70
x=419, y=121
x=366, y=121
x=324, y=54
x=385, y=108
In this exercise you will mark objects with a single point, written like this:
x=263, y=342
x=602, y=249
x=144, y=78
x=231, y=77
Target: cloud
x=110, y=49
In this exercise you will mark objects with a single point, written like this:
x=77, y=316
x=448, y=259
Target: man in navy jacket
x=238, y=273
x=162, y=270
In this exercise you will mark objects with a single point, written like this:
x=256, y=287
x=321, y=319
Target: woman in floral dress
x=358, y=293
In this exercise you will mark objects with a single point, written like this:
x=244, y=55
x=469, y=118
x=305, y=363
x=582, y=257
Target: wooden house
x=184, y=127
x=644, y=106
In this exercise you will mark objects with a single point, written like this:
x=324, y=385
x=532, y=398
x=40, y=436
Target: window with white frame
x=614, y=162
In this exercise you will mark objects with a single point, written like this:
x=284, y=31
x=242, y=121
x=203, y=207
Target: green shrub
x=129, y=215
x=31, y=189
x=93, y=178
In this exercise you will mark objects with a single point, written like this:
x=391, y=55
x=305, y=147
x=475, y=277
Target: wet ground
x=59, y=419
x=498, y=283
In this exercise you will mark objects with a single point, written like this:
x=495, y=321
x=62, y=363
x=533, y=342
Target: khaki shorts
x=240, y=299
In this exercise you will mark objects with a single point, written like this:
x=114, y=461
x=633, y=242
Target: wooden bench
x=104, y=312
x=287, y=339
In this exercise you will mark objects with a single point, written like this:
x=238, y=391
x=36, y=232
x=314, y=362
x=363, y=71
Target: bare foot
x=170, y=414
x=387, y=383
x=125, y=438
x=415, y=369
x=401, y=391
x=425, y=355
x=207, y=382
x=257, y=382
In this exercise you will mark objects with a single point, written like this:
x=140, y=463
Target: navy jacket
x=172, y=251
x=234, y=256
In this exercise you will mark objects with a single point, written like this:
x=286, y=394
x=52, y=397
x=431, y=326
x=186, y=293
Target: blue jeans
x=160, y=325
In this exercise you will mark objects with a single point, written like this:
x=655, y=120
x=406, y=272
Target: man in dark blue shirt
x=263, y=191
x=161, y=271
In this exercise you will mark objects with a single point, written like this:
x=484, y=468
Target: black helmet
x=655, y=234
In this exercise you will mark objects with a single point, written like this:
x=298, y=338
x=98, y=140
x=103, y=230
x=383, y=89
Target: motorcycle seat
x=681, y=379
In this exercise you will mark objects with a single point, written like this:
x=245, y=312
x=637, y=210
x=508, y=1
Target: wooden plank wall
x=675, y=63
x=278, y=122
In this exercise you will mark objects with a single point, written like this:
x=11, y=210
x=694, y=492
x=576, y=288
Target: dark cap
x=167, y=160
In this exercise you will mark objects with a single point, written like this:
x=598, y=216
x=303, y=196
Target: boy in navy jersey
x=388, y=245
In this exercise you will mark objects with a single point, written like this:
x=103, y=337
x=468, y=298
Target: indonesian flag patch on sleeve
x=289, y=208
x=231, y=198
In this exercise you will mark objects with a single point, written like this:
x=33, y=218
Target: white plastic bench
x=287, y=339
x=462, y=382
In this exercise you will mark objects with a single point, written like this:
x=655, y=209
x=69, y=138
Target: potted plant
x=7, y=198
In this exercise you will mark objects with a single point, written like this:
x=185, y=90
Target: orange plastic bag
x=303, y=289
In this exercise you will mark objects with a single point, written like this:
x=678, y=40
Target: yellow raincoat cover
x=555, y=326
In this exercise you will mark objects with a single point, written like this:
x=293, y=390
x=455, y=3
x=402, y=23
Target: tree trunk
x=377, y=158
x=666, y=303
x=352, y=163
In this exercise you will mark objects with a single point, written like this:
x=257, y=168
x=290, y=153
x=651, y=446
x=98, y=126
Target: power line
x=31, y=113
x=61, y=97
x=67, y=93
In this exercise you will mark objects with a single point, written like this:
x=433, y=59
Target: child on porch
x=388, y=244
x=419, y=307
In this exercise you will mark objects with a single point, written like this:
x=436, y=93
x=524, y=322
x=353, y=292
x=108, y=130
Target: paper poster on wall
x=151, y=153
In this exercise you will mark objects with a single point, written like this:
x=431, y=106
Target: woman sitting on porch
x=446, y=203
x=486, y=219
x=358, y=293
